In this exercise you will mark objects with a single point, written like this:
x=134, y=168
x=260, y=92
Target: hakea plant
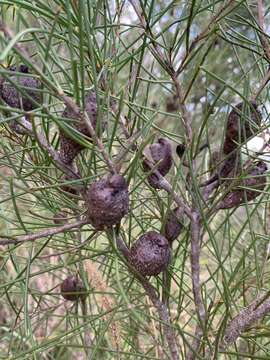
x=102, y=176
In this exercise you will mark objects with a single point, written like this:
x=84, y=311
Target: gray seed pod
x=69, y=148
x=160, y=152
x=72, y=289
x=29, y=84
x=238, y=196
x=173, y=225
x=107, y=201
x=150, y=254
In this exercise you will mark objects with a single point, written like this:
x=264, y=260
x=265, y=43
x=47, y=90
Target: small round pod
x=150, y=254
x=70, y=148
x=249, y=188
x=173, y=225
x=107, y=201
x=72, y=289
x=29, y=84
x=161, y=153
x=237, y=120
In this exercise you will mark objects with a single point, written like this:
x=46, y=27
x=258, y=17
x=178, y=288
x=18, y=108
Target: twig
x=263, y=38
x=69, y=170
x=252, y=313
x=266, y=48
x=45, y=233
x=196, y=282
x=185, y=114
x=202, y=35
x=165, y=185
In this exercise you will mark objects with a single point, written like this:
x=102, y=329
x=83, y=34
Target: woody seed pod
x=28, y=83
x=150, y=254
x=237, y=120
x=69, y=148
x=72, y=289
x=173, y=225
x=254, y=184
x=107, y=201
x=161, y=153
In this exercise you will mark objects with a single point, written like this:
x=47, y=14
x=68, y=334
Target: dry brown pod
x=248, y=189
x=247, y=122
x=70, y=148
x=161, y=153
x=29, y=84
x=72, y=289
x=107, y=201
x=150, y=254
x=173, y=225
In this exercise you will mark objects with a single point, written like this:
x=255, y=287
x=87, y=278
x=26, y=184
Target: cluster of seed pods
x=107, y=199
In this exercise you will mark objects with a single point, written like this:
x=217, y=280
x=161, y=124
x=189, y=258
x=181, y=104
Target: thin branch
x=266, y=48
x=246, y=318
x=69, y=170
x=202, y=35
x=263, y=38
x=165, y=185
x=44, y=233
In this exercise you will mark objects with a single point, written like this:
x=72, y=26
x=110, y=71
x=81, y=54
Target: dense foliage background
x=169, y=69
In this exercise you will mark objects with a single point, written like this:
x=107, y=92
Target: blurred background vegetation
x=80, y=45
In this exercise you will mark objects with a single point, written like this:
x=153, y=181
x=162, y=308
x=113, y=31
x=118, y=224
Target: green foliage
x=73, y=46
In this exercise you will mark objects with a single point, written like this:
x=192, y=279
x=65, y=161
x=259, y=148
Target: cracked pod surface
x=239, y=128
x=107, y=201
x=173, y=225
x=72, y=289
x=161, y=153
x=150, y=254
x=29, y=84
x=254, y=184
x=70, y=148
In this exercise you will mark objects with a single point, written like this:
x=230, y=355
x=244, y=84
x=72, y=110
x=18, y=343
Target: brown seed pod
x=254, y=184
x=173, y=225
x=69, y=148
x=29, y=84
x=107, y=201
x=161, y=153
x=237, y=120
x=150, y=254
x=72, y=289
